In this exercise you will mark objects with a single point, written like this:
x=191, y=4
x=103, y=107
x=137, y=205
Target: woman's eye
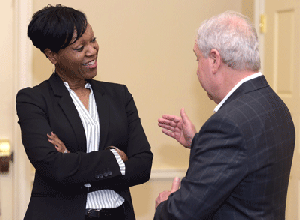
x=79, y=49
x=94, y=39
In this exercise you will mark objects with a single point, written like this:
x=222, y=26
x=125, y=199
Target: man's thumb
x=175, y=184
x=183, y=115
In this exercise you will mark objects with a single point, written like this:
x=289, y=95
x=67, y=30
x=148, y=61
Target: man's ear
x=216, y=59
x=52, y=56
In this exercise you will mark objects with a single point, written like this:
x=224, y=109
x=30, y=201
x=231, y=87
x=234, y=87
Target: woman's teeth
x=90, y=63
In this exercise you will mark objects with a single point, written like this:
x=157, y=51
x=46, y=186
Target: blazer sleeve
x=139, y=163
x=99, y=168
x=72, y=168
x=218, y=162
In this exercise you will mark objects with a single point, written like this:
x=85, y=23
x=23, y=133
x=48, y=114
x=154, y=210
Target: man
x=240, y=160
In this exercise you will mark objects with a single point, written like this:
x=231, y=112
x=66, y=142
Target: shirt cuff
x=119, y=161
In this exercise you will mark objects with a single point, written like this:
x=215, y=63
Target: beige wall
x=146, y=45
x=248, y=8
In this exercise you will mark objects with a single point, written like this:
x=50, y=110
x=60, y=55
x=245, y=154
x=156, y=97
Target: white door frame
x=22, y=78
x=259, y=8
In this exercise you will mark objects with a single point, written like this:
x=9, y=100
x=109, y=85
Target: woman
x=95, y=123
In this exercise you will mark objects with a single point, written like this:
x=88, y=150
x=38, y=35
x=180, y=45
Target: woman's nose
x=92, y=49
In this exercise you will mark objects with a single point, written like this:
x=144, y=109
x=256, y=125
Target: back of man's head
x=234, y=36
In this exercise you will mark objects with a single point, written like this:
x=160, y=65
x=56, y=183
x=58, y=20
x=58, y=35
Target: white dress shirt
x=90, y=121
x=253, y=76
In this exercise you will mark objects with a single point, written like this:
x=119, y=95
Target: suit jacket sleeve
x=217, y=164
x=138, y=165
x=133, y=142
x=77, y=167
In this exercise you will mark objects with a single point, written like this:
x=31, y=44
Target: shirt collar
x=87, y=86
x=253, y=76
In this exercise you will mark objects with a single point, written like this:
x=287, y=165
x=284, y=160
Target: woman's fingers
x=58, y=144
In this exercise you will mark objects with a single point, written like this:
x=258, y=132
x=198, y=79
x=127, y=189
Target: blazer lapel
x=66, y=103
x=103, y=112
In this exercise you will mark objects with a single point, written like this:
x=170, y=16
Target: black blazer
x=58, y=189
x=239, y=161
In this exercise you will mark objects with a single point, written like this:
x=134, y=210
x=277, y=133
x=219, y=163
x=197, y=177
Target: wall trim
x=156, y=174
x=161, y=174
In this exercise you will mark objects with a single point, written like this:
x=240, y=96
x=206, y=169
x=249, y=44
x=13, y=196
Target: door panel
x=282, y=69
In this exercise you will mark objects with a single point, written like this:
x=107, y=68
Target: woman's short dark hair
x=53, y=27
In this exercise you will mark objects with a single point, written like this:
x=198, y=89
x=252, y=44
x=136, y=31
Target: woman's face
x=78, y=61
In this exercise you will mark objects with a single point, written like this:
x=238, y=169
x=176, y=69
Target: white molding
x=259, y=8
x=162, y=174
x=156, y=174
x=22, y=10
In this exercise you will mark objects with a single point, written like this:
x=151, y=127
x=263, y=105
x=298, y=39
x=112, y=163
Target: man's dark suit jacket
x=58, y=190
x=240, y=161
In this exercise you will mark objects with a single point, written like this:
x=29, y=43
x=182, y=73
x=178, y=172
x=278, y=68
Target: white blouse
x=90, y=121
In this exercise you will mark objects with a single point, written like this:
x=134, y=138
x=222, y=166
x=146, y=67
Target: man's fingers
x=174, y=118
x=168, y=133
x=167, y=127
x=163, y=196
x=162, y=122
x=175, y=184
x=164, y=126
x=169, y=117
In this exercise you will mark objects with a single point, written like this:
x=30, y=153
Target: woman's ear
x=52, y=56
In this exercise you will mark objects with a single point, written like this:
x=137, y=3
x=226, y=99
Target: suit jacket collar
x=249, y=86
x=103, y=109
x=66, y=103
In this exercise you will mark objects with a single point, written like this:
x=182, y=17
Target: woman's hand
x=58, y=144
x=121, y=153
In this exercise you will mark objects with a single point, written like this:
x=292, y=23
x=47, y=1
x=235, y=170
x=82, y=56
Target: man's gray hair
x=234, y=36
